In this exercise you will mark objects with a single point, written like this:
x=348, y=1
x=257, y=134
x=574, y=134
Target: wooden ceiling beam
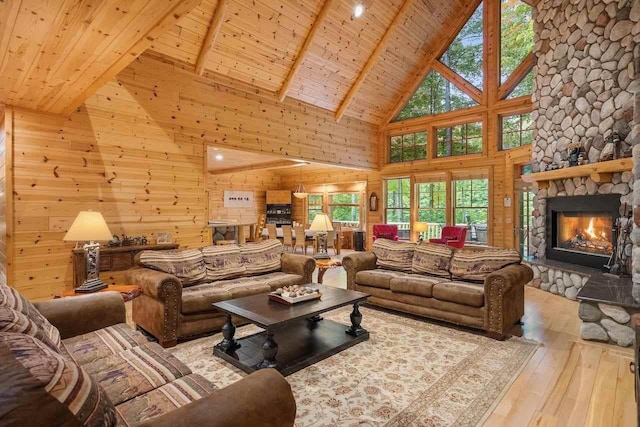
x=462, y=84
x=305, y=49
x=517, y=76
x=181, y=8
x=441, y=43
x=278, y=164
x=373, y=59
x=212, y=34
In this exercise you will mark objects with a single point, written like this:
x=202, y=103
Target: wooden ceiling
x=55, y=53
x=259, y=42
x=230, y=161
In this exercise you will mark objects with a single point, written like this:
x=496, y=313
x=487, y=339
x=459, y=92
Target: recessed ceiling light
x=219, y=157
x=358, y=10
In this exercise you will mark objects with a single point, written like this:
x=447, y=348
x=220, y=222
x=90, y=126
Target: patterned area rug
x=409, y=373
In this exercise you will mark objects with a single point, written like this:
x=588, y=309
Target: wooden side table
x=325, y=264
x=128, y=292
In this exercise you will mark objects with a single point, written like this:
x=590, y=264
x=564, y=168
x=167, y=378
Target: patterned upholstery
x=62, y=379
x=14, y=321
x=11, y=298
x=394, y=255
x=476, y=264
x=136, y=371
x=104, y=342
x=431, y=258
x=223, y=262
x=163, y=399
x=262, y=257
x=187, y=264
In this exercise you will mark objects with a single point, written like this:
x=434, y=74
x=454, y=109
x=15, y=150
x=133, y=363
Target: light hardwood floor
x=568, y=382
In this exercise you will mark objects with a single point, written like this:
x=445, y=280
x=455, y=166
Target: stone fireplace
x=580, y=229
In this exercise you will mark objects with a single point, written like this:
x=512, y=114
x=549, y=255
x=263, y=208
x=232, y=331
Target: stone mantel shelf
x=601, y=172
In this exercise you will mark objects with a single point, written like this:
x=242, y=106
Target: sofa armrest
x=83, y=313
x=299, y=264
x=156, y=284
x=504, y=297
x=358, y=262
x=264, y=398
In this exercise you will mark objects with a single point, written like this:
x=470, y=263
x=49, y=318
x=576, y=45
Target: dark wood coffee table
x=304, y=337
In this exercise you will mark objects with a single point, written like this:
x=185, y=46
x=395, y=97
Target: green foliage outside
x=398, y=200
x=517, y=131
x=408, y=147
x=516, y=35
x=459, y=140
x=345, y=214
x=524, y=88
x=432, y=202
x=472, y=201
x=464, y=55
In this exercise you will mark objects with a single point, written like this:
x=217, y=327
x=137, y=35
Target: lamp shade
x=321, y=223
x=420, y=227
x=88, y=226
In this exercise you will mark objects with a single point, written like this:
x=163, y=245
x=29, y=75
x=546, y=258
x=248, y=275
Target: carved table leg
x=356, y=319
x=228, y=331
x=269, y=351
x=321, y=272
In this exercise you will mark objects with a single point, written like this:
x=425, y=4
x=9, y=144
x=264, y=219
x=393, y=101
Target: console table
x=115, y=258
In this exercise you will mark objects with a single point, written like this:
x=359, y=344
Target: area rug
x=409, y=373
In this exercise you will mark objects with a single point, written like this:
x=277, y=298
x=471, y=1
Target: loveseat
x=74, y=362
x=178, y=287
x=482, y=288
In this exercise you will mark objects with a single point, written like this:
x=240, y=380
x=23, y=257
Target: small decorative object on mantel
x=574, y=150
x=610, y=150
x=290, y=295
x=164, y=237
x=134, y=240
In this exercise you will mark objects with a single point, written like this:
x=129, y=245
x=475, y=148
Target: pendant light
x=300, y=192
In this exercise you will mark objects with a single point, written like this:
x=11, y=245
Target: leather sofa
x=179, y=287
x=74, y=361
x=482, y=288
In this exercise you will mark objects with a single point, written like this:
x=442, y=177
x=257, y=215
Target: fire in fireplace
x=579, y=229
x=589, y=232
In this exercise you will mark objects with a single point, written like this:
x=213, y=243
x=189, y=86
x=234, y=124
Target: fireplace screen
x=587, y=232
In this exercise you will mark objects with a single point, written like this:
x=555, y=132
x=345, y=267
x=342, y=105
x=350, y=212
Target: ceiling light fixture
x=358, y=10
x=300, y=192
x=219, y=157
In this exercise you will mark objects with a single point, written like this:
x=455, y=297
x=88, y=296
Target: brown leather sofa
x=74, y=361
x=173, y=308
x=482, y=288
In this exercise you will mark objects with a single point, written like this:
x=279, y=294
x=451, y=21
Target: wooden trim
x=181, y=8
x=597, y=171
x=373, y=59
x=9, y=191
x=278, y=164
x=460, y=82
x=212, y=34
x=305, y=49
x=517, y=76
x=442, y=42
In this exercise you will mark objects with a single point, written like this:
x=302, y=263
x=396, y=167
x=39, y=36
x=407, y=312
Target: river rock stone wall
x=606, y=323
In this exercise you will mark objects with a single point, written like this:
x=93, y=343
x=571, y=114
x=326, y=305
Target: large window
x=459, y=140
x=408, y=147
x=517, y=131
x=316, y=205
x=432, y=206
x=345, y=208
x=471, y=208
x=516, y=35
x=398, y=205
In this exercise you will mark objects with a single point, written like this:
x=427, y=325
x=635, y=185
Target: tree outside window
x=459, y=140
x=517, y=130
x=471, y=207
x=315, y=206
x=398, y=205
x=516, y=35
x=408, y=147
x=432, y=206
x=345, y=208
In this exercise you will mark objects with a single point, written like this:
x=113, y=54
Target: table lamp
x=89, y=227
x=321, y=225
x=420, y=227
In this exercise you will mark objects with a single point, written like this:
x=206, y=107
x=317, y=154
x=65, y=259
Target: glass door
x=524, y=214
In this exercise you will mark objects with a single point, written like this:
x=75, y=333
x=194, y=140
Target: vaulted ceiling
x=55, y=53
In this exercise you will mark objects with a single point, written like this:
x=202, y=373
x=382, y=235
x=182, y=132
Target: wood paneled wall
x=257, y=181
x=3, y=198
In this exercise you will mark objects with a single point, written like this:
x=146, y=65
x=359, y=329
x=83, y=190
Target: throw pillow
x=187, y=264
x=14, y=321
x=41, y=377
x=394, y=255
x=223, y=262
x=476, y=264
x=261, y=257
x=432, y=258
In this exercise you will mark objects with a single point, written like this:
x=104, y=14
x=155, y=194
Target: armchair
x=385, y=231
x=452, y=236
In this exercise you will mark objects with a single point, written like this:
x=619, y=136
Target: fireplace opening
x=579, y=229
x=589, y=232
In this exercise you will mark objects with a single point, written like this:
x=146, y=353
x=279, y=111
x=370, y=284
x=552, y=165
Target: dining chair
x=287, y=237
x=262, y=219
x=331, y=241
x=273, y=231
x=301, y=239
